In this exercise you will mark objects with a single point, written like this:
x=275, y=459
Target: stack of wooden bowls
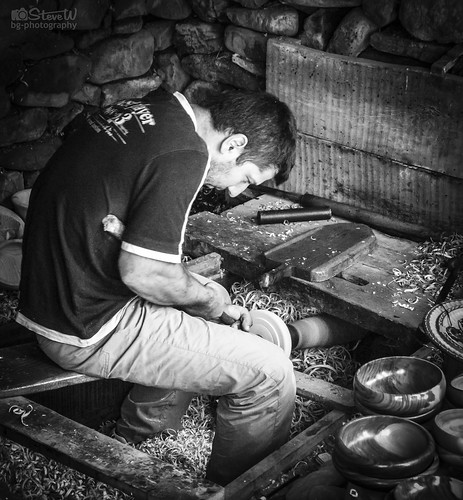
x=402, y=386
x=378, y=452
x=447, y=430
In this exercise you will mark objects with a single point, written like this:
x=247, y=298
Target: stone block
x=47, y=44
x=89, y=13
x=89, y=94
x=396, y=40
x=321, y=4
x=162, y=32
x=198, y=37
x=25, y=97
x=278, y=20
x=60, y=118
x=23, y=126
x=319, y=27
x=5, y=103
x=10, y=182
x=211, y=11
x=212, y=68
x=128, y=25
x=381, y=12
x=122, y=57
x=198, y=90
x=170, y=69
x=173, y=9
x=11, y=65
x=247, y=43
x=30, y=178
x=89, y=38
x=352, y=36
x=129, y=8
x=60, y=74
x=252, y=4
x=129, y=89
x=29, y=156
x=433, y=20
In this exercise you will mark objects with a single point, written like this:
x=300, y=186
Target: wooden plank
x=429, y=203
x=325, y=392
x=406, y=114
x=259, y=477
x=97, y=455
x=25, y=369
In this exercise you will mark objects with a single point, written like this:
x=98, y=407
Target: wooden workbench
x=364, y=294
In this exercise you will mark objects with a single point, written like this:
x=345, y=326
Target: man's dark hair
x=267, y=122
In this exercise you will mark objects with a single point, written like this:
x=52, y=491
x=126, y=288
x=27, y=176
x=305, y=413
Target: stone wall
x=60, y=58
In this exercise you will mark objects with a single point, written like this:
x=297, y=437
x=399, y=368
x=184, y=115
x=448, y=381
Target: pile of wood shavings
x=36, y=477
x=424, y=275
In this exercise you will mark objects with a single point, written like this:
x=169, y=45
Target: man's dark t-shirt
x=139, y=162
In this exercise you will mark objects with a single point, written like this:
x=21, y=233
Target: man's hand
x=236, y=317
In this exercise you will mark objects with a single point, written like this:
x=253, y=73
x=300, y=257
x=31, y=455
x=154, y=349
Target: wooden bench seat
x=25, y=369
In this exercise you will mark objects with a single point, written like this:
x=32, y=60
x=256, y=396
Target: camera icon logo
x=19, y=14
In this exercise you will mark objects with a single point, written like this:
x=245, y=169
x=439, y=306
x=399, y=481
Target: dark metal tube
x=293, y=215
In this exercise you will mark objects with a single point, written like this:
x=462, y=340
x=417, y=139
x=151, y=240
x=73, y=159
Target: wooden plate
x=272, y=328
x=444, y=326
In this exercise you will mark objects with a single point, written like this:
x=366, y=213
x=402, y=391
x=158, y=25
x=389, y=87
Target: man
x=102, y=281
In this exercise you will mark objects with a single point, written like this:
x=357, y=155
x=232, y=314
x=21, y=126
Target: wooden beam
x=97, y=455
x=330, y=394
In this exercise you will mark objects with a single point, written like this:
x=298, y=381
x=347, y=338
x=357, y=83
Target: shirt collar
x=187, y=107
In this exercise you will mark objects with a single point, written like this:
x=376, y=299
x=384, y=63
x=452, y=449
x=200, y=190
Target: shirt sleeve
x=156, y=222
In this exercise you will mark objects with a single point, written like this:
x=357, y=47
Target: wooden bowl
x=379, y=483
x=455, y=460
x=455, y=391
x=447, y=430
x=383, y=447
x=404, y=386
x=429, y=488
x=419, y=419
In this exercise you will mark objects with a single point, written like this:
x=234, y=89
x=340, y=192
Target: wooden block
x=95, y=454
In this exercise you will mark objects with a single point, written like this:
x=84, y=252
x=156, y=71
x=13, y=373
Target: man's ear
x=234, y=144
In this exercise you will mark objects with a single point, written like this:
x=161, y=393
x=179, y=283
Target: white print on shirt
x=112, y=120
